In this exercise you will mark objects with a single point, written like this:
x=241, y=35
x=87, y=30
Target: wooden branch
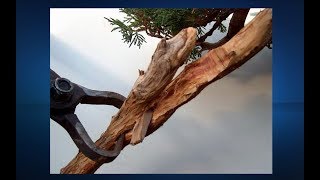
x=168, y=57
x=215, y=26
x=190, y=82
x=235, y=25
x=211, y=15
x=166, y=60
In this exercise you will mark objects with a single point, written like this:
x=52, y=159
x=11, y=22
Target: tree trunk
x=157, y=94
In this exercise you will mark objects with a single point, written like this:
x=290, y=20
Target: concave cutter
x=64, y=97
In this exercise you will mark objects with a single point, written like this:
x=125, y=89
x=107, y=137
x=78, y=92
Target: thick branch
x=211, y=15
x=235, y=25
x=215, y=26
x=190, y=82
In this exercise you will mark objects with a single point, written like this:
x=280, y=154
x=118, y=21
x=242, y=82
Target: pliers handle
x=64, y=97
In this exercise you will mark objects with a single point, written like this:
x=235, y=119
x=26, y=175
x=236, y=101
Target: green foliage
x=195, y=54
x=128, y=34
x=201, y=31
x=222, y=28
x=163, y=23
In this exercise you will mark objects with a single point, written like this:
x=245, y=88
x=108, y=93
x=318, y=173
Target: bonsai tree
x=156, y=95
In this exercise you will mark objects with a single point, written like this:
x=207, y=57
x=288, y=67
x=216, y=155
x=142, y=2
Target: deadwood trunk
x=157, y=96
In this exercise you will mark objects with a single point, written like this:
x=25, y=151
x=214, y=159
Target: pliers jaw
x=80, y=137
x=64, y=97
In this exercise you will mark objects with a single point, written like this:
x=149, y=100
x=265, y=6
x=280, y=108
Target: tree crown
x=166, y=23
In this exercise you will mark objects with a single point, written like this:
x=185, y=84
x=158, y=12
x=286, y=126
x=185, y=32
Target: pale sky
x=227, y=128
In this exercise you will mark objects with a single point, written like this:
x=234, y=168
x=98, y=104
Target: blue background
x=32, y=83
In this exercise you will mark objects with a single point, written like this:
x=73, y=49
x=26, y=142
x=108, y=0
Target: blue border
x=32, y=82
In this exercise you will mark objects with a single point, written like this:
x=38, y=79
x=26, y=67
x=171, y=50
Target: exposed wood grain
x=140, y=129
x=189, y=83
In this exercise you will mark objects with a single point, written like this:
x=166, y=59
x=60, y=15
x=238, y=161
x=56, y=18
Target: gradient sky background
x=227, y=128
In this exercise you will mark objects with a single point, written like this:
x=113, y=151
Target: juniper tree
x=156, y=95
x=166, y=23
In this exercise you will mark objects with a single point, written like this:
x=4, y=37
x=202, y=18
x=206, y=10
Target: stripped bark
x=189, y=83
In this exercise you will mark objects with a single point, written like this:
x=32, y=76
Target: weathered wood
x=190, y=82
x=167, y=58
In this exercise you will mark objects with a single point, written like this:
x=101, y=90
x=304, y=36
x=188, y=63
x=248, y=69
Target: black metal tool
x=64, y=97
